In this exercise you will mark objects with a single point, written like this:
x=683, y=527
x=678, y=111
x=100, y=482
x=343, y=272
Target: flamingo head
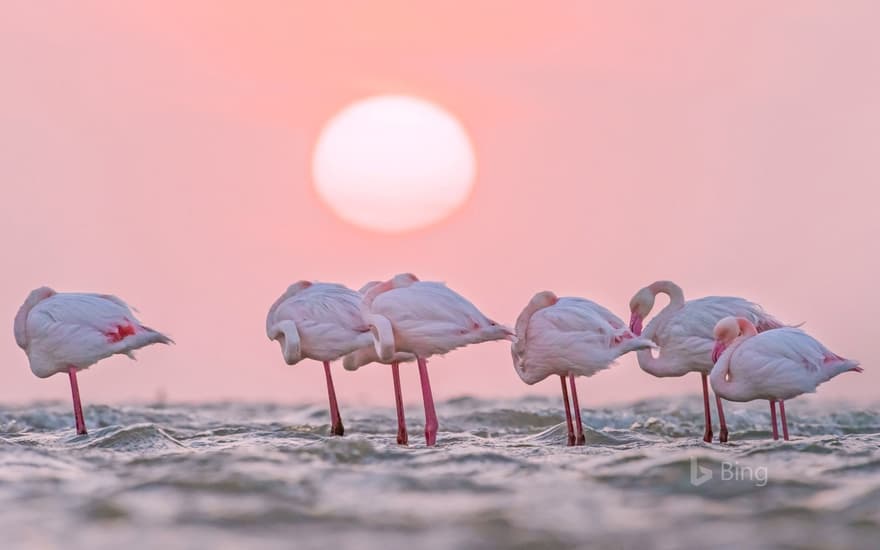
x=20, y=326
x=497, y=331
x=729, y=329
x=640, y=306
x=404, y=279
x=544, y=299
x=364, y=289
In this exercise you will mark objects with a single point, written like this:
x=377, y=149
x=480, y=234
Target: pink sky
x=162, y=153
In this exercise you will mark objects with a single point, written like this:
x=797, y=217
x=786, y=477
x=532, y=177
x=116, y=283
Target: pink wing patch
x=121, y=332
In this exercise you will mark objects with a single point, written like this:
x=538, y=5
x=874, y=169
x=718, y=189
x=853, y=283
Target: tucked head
x=640, y=306
x=544, y=299
x=729, y=329
x=20, y=325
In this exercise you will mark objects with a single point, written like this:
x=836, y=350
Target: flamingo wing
x=81, y=329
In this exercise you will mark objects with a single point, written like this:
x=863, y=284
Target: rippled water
x=265, y=476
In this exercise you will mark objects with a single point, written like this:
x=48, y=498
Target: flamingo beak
x=718, y=350
x=635, y=324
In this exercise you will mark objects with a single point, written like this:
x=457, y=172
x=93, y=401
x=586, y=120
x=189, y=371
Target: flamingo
x=424, y=318
x=683, y=332
x=69, y=332
x=320, y=321
x=569, y=337
x=776, y=365
x=367, y=355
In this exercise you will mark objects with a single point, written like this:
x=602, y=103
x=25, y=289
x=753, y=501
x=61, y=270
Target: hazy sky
x=162, y=153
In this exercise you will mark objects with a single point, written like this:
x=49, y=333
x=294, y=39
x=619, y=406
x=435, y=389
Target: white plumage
x=62, y=330
x=69, y=332
x=568, y=336
x=775, y=365
x=320, y=321
x=424, y=319
x=779, y=365
x=683, y=333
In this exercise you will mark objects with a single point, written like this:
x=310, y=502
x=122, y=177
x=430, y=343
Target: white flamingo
x=683, y=332
x=425, y=319
x=320, y=321
x=569, y=337
x=776, y=365
x=70, y=332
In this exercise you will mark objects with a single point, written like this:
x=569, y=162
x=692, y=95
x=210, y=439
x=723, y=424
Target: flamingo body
x=776, y=365
x=569, y=336
x=683, y=333
x=58, y=331
x=421, y=318
x=320, y=321
x=426, y=318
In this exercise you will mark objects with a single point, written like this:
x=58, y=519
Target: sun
x=393, y=163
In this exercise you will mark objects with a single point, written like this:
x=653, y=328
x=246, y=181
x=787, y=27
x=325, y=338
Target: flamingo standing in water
x=569, y=337
x=683, y=332
x=320, y=321
x=775, y=365
x=425, y=319
x=367, y=355
x=70, y=332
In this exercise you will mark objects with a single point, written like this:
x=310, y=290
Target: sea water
x=233, y=475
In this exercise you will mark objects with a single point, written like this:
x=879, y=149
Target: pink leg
x=402, y=437
x=707, y=435
x=773, y=418
x=431, y=423
x=783, y=420
x=336, y=427
x=571, y=439
x=722, y=435
x=579, y=428
x=77, y=406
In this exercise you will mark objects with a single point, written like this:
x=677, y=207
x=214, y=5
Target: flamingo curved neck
x=732, y=388
x=676, y=295
x=656, y=366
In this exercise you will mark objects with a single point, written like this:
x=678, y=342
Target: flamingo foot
x=337, y=428
x=722, y=435
x=402, y=437
x=431, y=433
x=707, y=435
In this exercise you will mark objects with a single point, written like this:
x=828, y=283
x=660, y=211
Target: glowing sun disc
x=392, y=163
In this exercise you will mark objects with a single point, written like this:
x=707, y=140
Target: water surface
x=266, y=476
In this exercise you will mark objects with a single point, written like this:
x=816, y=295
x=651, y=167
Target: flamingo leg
x=722, y=434
x=431, y=423
x=579, y=426
x=707, y=435
x=402, y=438
x=77, y=405
x=336, y=427
x=571, y=439
x=783, y=420
x=773, y=418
